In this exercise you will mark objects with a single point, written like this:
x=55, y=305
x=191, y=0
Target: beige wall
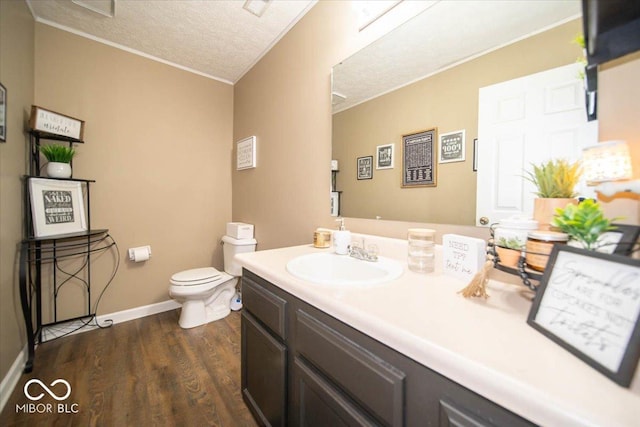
x=158, y=144
x=285, y=101
x=16, y=75
x=447, y=101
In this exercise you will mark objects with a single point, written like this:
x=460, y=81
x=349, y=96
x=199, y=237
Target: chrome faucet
x=358, y=252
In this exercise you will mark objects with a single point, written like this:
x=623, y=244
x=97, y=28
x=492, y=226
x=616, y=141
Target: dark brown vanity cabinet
x=264, y=354
x=302, y=367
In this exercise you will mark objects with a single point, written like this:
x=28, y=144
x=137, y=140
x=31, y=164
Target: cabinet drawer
x=320, y=404
x=373, y=383
x=266, y=306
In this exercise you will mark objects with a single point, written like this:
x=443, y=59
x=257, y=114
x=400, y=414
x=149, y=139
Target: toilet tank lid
x=239, y=242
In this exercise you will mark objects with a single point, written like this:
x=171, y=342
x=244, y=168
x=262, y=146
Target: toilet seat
x=199, y=276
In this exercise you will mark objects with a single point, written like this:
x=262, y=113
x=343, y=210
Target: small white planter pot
x=58, y=170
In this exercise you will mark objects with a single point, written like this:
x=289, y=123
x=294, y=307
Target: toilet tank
x=231, y=247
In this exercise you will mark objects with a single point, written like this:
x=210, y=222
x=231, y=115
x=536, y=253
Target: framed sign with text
x=589, y=303
x=55, y=123
x=57, y=207
x=246, y=153
x=452, y=147
x=418, y=159
x=365, y=167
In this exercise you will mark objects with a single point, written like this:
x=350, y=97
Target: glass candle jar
x=421, y=254
x=539, y=246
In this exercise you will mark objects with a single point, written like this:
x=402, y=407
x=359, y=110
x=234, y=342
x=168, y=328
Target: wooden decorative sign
x=56, y=123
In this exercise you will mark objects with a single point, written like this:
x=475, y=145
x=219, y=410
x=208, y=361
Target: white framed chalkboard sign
x=589, y=303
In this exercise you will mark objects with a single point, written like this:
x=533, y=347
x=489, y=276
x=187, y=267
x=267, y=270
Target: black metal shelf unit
x=52, y=250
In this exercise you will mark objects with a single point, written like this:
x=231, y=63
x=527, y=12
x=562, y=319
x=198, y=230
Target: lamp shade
x=607, y=161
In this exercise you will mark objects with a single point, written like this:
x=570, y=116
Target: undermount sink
x=332, y=269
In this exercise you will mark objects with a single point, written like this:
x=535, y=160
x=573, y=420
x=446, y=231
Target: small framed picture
x=451, y=147
x=589, y=303
x=3, y=113
x=57, y=207
x=365, y=167
x=384, y=156
x=246, y=153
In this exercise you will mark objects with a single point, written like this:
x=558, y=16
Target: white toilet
x=206, y=293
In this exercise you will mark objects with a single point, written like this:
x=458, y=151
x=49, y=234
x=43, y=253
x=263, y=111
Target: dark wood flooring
x=145, y=372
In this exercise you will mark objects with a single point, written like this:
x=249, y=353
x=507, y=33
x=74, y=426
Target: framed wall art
x=3, y=113
x=365, y=167
x=589, y=303
x=384, y=156
x=418, y=159
x=57, y=207
x=452, y=147
x=246, y=153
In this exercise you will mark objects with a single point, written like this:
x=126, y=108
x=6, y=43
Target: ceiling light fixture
x=257, y=7
x=103, y=7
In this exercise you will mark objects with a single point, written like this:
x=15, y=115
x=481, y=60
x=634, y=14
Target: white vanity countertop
x=484, y=345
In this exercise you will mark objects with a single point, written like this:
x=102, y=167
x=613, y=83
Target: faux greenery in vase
x=555, y=181
x=59, y=157
x=57, y=153
x=584, y=223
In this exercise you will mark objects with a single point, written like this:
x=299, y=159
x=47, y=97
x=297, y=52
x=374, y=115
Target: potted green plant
x=509, y=250
x=584, y=223
x=59, y=157
x=555, y=181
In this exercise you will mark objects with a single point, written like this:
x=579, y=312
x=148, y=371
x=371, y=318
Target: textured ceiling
x=446, y=33
x=216, y=38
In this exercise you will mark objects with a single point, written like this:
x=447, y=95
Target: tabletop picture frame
x=588, y=302
x=418, y=159
x=57, y=207
x=365, y=167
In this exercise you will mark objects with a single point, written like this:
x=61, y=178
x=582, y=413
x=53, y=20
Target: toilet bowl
x=206, y=293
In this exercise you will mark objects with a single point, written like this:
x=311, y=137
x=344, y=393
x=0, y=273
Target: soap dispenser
x=341, y=239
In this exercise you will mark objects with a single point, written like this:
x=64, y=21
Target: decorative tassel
x=478, y=285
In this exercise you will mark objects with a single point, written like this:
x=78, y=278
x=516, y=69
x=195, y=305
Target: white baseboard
x=138, y=312
x=12, y=377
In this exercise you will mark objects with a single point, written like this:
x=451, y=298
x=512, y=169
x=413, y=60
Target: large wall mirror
x=424, y=75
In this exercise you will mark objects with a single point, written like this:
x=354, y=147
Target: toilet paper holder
x=141, y=253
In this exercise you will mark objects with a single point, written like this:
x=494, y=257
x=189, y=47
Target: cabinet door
x=374, y=383
x=264, y=373
x=320, y=404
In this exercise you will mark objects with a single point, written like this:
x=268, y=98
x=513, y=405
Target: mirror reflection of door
x=523, y=121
